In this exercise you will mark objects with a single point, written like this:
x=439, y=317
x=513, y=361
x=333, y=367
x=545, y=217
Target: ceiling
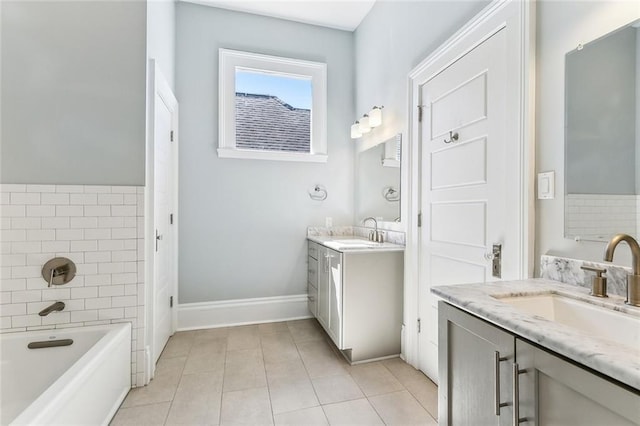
x=340, y=14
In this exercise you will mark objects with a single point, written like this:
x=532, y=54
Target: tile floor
x=279, y=373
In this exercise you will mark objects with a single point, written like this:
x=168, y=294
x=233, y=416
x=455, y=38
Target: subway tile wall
x=101, y=229
x=601, y=215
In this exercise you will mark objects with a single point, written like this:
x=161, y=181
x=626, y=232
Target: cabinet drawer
x=312, y=299
x=312, y=275
x=313, y=250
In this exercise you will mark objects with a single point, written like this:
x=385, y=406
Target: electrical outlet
x=328, y=222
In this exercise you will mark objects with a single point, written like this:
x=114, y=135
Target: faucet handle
x=598, y=271
x=598, y=283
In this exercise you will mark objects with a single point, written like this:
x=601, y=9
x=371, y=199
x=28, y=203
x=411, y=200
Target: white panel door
x=163, y=191
x=466, y=199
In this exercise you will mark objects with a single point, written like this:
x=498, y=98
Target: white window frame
x=229, y=60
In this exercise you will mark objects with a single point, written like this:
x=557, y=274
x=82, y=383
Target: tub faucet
x=58, y=306
x=633, y=280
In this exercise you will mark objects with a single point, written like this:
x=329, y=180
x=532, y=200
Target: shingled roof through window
x=265, y=122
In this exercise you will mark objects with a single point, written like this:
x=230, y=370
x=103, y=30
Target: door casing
x=158, y=84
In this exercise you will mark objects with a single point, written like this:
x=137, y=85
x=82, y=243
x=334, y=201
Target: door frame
x=158, y=84
x=518, y=15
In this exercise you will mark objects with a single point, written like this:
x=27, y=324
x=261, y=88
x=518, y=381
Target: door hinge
x=171, y=301
x=419, y=326
x=420, y=220
x=171, y=136
x=158, y=238
x=171, y=219
x=420, y=113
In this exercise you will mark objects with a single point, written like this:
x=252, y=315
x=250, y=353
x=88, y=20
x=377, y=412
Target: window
x=271, y=108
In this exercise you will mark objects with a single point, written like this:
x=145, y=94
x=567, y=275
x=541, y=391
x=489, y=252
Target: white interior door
x=468, y=199
x=164, y=202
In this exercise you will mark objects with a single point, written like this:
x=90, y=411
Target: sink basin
x=352, y=243
x=598, y=321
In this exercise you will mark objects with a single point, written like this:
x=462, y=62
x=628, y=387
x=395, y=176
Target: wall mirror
x=378, y=181
x=602, y=136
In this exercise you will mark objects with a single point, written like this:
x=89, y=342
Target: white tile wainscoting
x=101, y=229
x=600, y=216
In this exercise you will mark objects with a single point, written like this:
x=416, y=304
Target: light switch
x=546, y=185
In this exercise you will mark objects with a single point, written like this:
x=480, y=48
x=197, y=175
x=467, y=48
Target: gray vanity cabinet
x=475, y=370
x=549, y=389
x=359, y=300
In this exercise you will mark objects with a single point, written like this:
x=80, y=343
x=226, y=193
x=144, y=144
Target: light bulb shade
x=375, y=117
x=355, y=131
x=364, y=124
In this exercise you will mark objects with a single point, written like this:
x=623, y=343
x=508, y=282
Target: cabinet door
x=475, y=369
x=557, y=392
x=335, y=297
x=323, y=287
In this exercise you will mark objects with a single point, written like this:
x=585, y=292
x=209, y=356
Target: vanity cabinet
x=359, y=299
x=482, y=367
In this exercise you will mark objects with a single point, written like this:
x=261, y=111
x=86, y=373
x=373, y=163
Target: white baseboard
x=194, y=316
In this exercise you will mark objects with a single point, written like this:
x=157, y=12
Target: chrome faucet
x=374, y=235
x=58, y=306
x=633, y=280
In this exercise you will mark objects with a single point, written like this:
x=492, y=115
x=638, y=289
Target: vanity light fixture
x=368, y=121
x=364, y=124
x=375, y=116
x=355, y=130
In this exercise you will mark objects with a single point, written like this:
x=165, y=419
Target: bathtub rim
x=49, y=401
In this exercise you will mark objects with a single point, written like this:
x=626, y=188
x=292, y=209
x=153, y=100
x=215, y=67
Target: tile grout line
x=166, y=419
x=308, y=375
x=408, y=390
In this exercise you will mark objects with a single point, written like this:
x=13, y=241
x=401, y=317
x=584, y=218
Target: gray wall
x=243, y=222
x=73, y=92
x=561, y=26
x=600, y=116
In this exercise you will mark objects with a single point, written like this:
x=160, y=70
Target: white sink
x=598, y=321
x=351, y=243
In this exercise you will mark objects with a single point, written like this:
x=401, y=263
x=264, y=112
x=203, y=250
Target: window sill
x=268, y=155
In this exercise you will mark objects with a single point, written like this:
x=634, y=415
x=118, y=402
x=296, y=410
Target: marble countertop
x=612, y=359
x=326, y=241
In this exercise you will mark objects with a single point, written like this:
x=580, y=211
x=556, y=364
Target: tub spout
x=58, y=306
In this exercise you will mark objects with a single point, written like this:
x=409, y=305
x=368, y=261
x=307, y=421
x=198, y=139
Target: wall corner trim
x=194, y=316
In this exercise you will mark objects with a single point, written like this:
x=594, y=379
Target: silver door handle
x=516, y=395
x=496, y=395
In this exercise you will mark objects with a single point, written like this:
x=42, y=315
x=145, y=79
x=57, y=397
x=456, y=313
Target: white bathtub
x=80, y=384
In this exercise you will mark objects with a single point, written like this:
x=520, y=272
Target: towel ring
x=391, y=194
x=319, y=193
